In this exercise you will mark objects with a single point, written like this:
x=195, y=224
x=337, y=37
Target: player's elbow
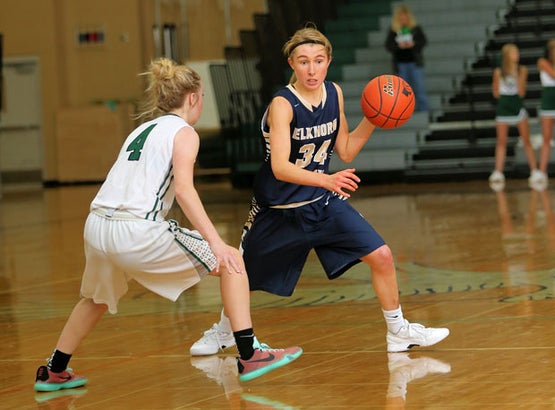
x=346, y=157
x=280, y=170
x=180, y=197
x=183, y=192
x=280, y=174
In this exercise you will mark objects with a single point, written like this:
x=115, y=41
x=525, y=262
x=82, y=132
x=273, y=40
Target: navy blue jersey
x=313, y=131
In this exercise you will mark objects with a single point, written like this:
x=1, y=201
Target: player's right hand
x=343, y=180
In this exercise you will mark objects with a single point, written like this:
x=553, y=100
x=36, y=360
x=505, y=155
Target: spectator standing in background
x=405, y=41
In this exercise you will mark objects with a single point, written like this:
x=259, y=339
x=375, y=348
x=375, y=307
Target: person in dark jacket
x=406, y=40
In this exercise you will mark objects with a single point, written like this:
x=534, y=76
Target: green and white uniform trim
x=510, y=107
x=547, y=106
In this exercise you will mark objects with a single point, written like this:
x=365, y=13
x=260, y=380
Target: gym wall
x=89, y=54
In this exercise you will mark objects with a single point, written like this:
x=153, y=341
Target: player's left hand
x=228, y=257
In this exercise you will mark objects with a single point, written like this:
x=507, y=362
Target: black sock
x=245, y=340
x=58, y=361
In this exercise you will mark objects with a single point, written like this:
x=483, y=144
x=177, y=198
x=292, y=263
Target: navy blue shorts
x=276, y=242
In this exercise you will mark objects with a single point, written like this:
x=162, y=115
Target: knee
x=381, y=257
x=501, y=142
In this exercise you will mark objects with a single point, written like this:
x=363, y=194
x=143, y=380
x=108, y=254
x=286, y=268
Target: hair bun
x=163, y=69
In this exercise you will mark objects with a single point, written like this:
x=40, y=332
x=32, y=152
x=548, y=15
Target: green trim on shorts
x=195, y=245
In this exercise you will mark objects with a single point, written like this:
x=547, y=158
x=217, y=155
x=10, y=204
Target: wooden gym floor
x=479, y=262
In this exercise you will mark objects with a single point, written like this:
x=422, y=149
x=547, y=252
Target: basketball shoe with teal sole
x=265, y=360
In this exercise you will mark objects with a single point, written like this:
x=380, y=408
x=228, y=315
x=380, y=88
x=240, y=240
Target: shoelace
x=265, y=348
x=214, y=330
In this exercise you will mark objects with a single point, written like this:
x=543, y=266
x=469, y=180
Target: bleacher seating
x=457, y=138
x=462, y=140
x=454, y=30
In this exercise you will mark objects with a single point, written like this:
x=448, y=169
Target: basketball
x=387, y=101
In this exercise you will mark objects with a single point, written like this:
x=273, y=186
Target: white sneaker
x=538, y=186
x=414, y=334
x=212, y=341
x=537, y=177
x=497, y=176
x=497, y=186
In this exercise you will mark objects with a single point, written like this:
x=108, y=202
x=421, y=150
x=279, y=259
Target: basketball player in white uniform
x=127, y=236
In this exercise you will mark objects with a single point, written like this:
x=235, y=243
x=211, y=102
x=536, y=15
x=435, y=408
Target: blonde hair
x=505, y=62
x=396, y=19
x=168, y=83
x=307, y=35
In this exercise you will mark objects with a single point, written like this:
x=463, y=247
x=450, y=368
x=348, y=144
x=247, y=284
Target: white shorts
x=161, y=256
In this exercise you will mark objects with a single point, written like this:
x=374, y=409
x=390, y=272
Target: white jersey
x=508, y=85
x=141, y=180
x=546, y=80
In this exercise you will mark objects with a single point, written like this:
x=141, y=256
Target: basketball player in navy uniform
x=298, y=205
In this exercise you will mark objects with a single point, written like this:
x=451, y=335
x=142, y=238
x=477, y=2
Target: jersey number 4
x=136, y=146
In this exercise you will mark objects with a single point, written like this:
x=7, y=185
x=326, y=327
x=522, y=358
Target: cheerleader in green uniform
x=509, y=88
x=546, y=67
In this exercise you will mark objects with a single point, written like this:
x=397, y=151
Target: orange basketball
x=387, y=101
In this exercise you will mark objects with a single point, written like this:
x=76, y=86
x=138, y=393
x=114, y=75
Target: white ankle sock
x=225, y=324
x=394, y=319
